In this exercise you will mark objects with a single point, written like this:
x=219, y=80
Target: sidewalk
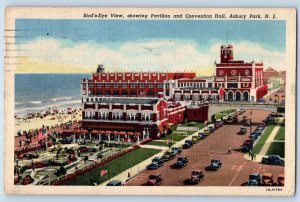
x=267, y=144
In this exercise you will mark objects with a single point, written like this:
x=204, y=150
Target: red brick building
x=148, y=102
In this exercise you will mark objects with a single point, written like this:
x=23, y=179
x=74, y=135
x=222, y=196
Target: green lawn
x=114, y=167
x=194, y=124
x=159, y=143
x=276, y=148
x=263, y=139
x=175, y=136
x=280, y=134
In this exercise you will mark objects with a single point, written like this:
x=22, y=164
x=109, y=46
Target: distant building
x=272, y=73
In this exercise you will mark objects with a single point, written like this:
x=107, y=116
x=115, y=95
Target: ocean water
x=39, y=92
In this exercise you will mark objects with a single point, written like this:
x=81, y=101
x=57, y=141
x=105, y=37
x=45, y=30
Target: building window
x=116, y=85
x=246, y=85
x=91, y=85
x=232, y=85
x=195, y=97
x=204, y=85
x=142, y=85
x=84, y=85
x=107, y=85
x=151, y=85
x=147, y=116
x=132, y=85
x=124, y=93
x=159, y=85
x=209, y=85
x=90, y=114
x=99, y=85
x=99, y=92
x=131, y=116
x=103, y=115
x=177, y=97
x=117, y=115
x=186, y=97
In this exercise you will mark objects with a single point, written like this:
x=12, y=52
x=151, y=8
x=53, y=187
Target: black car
x=181, y=162
x=202, y=135
x=254, y=180
x=176, y=150
x=189, y=142
x=156, y=163
x=183, y=158
x=242, y=131
x=245, y=148
x=215, y=164
x=186, y=146
x=273, y=160
x=168, y=156
x=115, y=183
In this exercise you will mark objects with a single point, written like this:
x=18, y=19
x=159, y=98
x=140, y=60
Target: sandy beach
x=51, y=120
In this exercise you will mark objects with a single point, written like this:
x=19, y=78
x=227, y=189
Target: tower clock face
x=247, y=72
x=221, y=72
x=233, y=72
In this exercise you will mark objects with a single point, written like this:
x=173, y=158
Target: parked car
x=115, y=183
x=273, y=160
x=189, y=142
x=211, y=129
x=176, y=150
x=195, y=139
x=215, y=164
x=156, y=163
x=202, y=136
x=280, y=180
x=168, y=156
x=195, y=178
x=267, y=179
x=154, y=180
x=242, y=131
x=206, y=131
x=254, y=179
x=186, y=146
x=235, y=119
x=245, y=148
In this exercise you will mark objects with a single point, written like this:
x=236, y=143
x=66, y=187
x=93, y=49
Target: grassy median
x=114, y=167
x=259, y=145
x=159, y=143
x=276, y=148
x=280, y=134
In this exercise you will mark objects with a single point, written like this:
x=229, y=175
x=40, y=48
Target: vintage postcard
x=155, y=101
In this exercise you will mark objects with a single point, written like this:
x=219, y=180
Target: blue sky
x=149, y=44
x=270, y=34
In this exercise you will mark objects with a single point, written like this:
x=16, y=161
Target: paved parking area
x=235, y=169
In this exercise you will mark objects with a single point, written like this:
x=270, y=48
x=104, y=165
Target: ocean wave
x=36, y=102
x=18, y=103
x=61, y=98
x=62, y=105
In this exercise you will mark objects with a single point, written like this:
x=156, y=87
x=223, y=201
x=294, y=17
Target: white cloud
x=154, y=55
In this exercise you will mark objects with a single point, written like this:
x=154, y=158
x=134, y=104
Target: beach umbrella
x=137, y=133
x=94, y=131
x=115, y=132
x=76, y=131
x=130, y=133
x=122, y=133
x=108, y=132
x=84, y=131
x=101, y=131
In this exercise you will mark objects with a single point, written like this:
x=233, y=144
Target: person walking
x=229, y=150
